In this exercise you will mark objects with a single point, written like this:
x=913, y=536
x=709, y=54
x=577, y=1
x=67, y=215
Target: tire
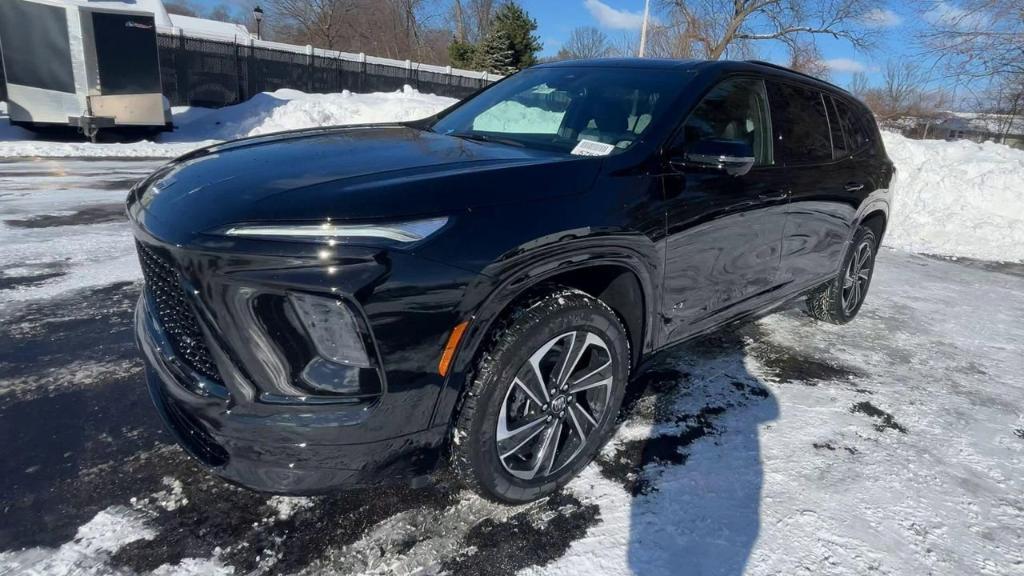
x=838, y=300
x=514, y=441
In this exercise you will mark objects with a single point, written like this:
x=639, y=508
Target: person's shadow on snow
x=697, y=498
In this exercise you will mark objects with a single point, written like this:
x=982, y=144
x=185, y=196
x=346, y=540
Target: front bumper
x=281, y=451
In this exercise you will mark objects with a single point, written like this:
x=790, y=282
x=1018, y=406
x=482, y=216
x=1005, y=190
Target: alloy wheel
x=554, y=404
x=855, y=280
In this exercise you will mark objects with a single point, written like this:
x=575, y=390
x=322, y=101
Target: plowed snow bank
x=957, y=198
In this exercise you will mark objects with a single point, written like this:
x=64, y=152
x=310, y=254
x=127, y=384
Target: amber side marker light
x=449, y=348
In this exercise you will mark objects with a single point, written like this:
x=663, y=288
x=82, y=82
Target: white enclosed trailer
x=91, y=65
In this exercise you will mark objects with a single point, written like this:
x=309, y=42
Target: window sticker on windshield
x=592, y=148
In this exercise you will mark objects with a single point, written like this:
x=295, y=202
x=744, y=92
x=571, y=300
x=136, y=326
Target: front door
x=724, y=231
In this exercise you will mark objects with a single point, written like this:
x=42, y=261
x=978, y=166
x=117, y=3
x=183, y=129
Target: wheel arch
x=877, y=219
x=620, y=279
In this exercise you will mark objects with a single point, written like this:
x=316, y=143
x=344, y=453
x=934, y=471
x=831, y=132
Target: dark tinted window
x=801, y=124
x=736, y=109
x=856, y=132
x=126, y=53
x=839, y=145
x=37, y=50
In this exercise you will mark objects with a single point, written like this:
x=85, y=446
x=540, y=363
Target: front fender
x=510, y=278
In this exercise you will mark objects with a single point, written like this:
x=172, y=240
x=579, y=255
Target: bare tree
x=390, y=28
x=976, y=39
x=902, y=88
x=718, y=28
x=585, y=42
x=321, y=23
x=979, y=44
x=904, y=101
x=472, y=19
x=1005, y=107
x=859, y=85
x=805, y=57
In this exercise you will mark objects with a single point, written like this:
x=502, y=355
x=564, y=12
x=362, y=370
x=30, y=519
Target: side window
x=856, y=133
x=802, y=134
x=839, y=145
x=736, y=109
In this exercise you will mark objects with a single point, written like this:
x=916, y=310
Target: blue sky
x=557, y=18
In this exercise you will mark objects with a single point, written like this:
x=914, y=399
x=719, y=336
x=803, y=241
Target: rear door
x=724, y=231
x=821, y=208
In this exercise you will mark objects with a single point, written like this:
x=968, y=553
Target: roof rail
x=798, y=73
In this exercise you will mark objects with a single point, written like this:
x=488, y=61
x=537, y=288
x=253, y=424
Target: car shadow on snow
x=696, y=477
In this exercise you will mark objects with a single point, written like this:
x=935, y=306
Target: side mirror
x=734, y=157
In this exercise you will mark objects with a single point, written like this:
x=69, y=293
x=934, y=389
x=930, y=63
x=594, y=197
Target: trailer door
x=127, y=69
x=126, y=53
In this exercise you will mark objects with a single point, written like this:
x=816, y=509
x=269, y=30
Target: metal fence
x=212, y=72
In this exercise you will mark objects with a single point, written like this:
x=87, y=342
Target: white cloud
x=882, y=18
x=845, y=65
x=953, y=16
x=611, y=18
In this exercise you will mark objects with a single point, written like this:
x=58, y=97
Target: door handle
x=773, y=196
x=853, y=187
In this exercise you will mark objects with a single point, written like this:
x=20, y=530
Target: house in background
x=979, y=127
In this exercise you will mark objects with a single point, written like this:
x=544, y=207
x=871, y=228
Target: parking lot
x=893, y=445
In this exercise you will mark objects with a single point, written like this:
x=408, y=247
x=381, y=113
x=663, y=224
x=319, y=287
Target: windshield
x=593, y=111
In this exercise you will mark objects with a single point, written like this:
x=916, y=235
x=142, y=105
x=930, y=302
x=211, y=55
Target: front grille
x=175, y=313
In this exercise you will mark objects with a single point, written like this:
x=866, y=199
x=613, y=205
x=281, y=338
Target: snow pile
x=290, y=109
x=262, y=114
x=957, y=198
x=512, y=116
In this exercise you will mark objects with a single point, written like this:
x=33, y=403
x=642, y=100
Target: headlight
x=404, y=232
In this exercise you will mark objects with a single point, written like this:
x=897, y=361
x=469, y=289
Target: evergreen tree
x=518, y=29
x=496, y=53
x=508, y=47
x=463, y=54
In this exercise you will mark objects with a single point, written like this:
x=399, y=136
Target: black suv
x=345, y=305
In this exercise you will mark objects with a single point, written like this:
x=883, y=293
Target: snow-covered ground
x=893, y=445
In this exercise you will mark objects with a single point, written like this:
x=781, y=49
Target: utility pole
x=643, y=28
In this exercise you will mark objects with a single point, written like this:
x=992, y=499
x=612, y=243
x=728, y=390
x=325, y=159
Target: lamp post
x=257, y=14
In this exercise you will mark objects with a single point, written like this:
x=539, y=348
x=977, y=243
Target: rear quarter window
x=858, y=134
x=800, y=123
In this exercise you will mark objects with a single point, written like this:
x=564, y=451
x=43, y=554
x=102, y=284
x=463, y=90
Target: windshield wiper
x=485, y=138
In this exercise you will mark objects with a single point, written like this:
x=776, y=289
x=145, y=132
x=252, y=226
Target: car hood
x=351, y=173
